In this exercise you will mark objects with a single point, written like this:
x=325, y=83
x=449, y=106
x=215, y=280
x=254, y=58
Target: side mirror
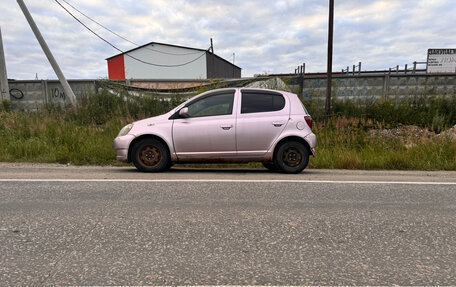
x=183, y=112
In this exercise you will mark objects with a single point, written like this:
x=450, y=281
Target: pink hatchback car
x=224, y=125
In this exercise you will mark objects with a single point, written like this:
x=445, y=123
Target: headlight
x=125, y=130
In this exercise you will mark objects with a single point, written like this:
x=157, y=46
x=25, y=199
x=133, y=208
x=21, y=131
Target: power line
x=113, y=46
x=122, y=37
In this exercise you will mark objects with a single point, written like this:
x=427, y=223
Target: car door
x=262, y=117
x=208, y=129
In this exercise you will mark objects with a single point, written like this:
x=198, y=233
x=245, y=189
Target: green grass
x=84, y=135
x=435, y=112
x=81, y=135
x=49, y=138
x=347, y=144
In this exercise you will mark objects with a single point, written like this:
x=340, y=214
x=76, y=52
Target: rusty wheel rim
x=150, y=156
x=292, y=157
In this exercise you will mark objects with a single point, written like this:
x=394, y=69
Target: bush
x=436, y=113
x=98, y=108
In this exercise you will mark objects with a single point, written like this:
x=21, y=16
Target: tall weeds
x=81, y=135
x=347, y=143
x=435, y=112
x=84, y=135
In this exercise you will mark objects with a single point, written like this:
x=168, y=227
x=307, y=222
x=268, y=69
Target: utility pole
x=301, y=92
x=330, y=52
x=47, y=51
x=214, y=72
x=4, y=89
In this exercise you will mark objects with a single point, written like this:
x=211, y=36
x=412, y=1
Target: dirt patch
x=410, y=135
x=451, y=133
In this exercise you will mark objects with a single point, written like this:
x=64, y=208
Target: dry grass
x=363, y=144
x=84, y=136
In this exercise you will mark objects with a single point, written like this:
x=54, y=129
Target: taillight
x=308, y=119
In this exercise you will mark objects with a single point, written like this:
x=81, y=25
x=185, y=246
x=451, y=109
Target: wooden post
x=301, y=92
x=330, y=52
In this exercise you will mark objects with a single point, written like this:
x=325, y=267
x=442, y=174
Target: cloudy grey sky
x=266, y=35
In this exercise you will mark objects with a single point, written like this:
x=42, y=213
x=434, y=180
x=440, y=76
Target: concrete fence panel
x=34, y=94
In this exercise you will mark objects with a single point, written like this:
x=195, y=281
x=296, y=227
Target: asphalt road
x=99, y=226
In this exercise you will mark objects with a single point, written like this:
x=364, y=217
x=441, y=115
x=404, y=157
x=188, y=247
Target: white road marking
x=252, y=286
x=229, y=180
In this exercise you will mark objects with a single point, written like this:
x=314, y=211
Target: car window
x=214, y=105
x=257, y=102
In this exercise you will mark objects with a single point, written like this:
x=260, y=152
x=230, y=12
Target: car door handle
x=226, y=127
x=278, y=124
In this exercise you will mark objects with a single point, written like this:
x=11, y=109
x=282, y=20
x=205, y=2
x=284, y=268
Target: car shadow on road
x=206, y=170
x=218, y=170
x=183, y=170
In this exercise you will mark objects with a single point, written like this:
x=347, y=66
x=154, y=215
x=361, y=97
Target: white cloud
x=273, y=36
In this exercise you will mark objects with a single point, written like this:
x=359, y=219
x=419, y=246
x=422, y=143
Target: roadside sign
x=441, y=61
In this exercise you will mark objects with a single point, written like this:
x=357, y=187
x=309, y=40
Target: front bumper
x=121, y=145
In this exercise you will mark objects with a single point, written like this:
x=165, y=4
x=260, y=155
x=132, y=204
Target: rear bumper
x=121, y=145
x=311, y=139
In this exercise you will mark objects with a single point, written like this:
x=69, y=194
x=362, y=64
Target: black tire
x=291, y=157
x=270, y=165
x=150, y=155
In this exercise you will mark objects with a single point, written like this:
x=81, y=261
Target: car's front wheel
x=150, y=155
x=291, y=157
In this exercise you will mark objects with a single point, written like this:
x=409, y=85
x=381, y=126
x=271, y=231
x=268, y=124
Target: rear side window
x=257, y=102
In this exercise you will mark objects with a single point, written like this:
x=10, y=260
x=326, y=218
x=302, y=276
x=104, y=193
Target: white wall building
x=164, y=61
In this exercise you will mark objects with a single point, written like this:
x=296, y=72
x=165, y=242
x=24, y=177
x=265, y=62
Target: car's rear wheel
x=150, y=155
x=291, y=157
